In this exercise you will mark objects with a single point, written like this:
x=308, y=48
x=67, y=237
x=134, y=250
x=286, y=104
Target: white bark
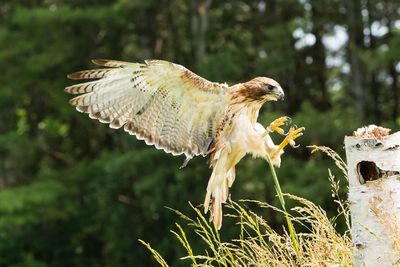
x=373, y=160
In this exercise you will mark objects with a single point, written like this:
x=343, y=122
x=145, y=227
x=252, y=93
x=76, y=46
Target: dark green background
x=75, y=193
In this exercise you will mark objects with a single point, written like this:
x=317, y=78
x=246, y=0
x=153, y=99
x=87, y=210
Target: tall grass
x=260, y=245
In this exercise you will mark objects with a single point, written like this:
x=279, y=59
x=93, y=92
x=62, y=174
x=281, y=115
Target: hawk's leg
x=293, y=134
x=275, y=126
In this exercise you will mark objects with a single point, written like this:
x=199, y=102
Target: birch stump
x=373, y=160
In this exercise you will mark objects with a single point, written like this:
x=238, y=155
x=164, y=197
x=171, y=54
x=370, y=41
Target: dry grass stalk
x=260, y=245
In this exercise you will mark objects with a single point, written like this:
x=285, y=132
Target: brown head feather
x=258, y=90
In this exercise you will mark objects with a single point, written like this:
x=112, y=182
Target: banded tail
x=217, y=193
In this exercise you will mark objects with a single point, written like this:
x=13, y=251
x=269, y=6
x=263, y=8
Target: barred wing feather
x=160, y=102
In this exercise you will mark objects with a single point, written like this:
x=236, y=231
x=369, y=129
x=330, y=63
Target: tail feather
x=217, y=194
x=217, y=209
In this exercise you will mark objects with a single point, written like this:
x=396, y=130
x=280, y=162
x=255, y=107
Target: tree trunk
x=395, y=91
x=356, y=42
x=199, y=27
x=394, y=74
x=373, y=109
x=318, y=54
x=373, y=160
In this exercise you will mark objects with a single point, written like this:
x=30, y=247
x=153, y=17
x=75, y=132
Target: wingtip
x=111, y=63
x=72, y=102
x=100, y=62
x=74, y=76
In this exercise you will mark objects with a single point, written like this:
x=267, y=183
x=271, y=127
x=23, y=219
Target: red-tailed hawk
x=172, y=108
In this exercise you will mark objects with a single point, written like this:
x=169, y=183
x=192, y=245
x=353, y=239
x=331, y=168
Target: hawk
x=172, y=108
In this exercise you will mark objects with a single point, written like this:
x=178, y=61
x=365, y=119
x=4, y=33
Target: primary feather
x=160, y=102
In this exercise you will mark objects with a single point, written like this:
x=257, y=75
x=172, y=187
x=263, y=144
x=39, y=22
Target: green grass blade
x=282, y=201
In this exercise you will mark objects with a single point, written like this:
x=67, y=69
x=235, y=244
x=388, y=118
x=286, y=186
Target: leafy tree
x=75, y=193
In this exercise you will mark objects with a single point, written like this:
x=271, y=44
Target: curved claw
x=275, y=126
x=293, y=134
x=289, y=120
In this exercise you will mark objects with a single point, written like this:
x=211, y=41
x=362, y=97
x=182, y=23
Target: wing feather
x=160, y=102
x=91, y=74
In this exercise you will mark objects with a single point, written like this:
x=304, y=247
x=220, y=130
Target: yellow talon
x=289, y=139
x=275, y=126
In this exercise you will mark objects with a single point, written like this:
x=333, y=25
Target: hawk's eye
x=270, y=87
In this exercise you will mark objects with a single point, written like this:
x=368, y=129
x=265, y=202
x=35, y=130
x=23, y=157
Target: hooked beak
x=280, y=95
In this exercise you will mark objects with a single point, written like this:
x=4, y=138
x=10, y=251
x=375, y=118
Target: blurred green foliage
x=75, y=193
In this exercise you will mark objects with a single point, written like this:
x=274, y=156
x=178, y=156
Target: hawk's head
x=262, y=89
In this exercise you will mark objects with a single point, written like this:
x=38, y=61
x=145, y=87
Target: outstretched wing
x=160, y=102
